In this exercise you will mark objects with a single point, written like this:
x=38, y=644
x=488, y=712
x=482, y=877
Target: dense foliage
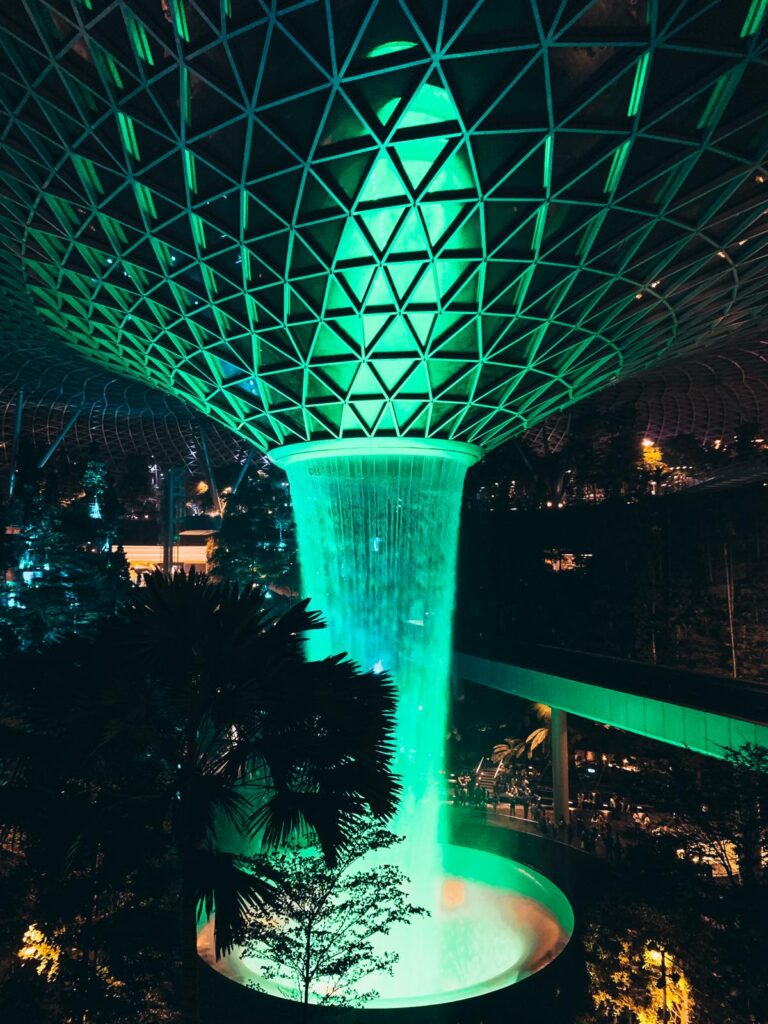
x=257, y=539
x=143, y=764
x=664, y=927
x=672, y=581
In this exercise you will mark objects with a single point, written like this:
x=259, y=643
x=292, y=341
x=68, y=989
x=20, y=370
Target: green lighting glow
x=396, y=46
x=144, y=199
x=378, y=525
x=495, y=922
x=701, y=731
x=140, y=39
x=548, y=149
x=638, y=85
x=538, y=230
x=128, y=133
x=190, y=172
x=754, y=17
x=179, y=15
x=720, y=97
x=383, y=258
x=378, y=243
x=617, y=166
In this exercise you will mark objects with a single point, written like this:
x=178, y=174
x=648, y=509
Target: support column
x=209, y=470
x=243, y=470
x=559, y=740
x=16, y=442
x=60, y=437
x=173, y=513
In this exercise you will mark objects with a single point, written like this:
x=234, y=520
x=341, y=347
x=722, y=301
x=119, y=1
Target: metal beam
x=62, y=434
x=243, y=470
x=16, y=440
x=559, y=744
x=173, y=500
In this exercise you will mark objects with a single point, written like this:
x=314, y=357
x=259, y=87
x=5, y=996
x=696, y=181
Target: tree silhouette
x=315, y=936
x=192, y=717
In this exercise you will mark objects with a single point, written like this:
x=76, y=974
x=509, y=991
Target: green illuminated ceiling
x=423, y=219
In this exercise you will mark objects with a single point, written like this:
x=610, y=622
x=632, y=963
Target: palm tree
x=510, y=749
x=239, y=739
x=514, y=749
x=541, y=735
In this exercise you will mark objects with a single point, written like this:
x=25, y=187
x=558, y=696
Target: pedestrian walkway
x=605, y=838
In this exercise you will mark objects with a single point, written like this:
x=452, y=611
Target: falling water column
x=378, y=526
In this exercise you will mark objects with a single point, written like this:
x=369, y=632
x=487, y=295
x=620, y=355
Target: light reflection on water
x=493, y=923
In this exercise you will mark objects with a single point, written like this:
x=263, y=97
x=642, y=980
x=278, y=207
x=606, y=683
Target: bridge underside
x=696, y=728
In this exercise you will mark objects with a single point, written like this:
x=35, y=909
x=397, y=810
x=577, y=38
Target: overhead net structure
x=53, y=396
x=392, y=234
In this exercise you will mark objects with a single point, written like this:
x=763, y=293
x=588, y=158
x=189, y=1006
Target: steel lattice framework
x=318, y=219
x=708, y=394
x=112, y=414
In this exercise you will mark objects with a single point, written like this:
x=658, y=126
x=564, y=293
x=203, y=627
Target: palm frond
x=223, y=885
x=510, y=748
x=542, y=711
x=207, y=797
x=288, y=814
x=537, y=738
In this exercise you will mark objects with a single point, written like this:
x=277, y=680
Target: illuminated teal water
x=378, y=530
x=378, y=527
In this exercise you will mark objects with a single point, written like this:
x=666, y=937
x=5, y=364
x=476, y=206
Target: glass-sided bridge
x=703, y=713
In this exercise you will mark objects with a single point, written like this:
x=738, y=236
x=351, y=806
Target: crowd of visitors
x=601, y=825
x=517, y=787
x=592, y=827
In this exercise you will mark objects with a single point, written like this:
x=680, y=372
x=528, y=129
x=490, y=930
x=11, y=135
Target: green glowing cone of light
x=378, y=525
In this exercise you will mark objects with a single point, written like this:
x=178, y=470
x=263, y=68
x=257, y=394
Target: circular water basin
x=493, y=922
